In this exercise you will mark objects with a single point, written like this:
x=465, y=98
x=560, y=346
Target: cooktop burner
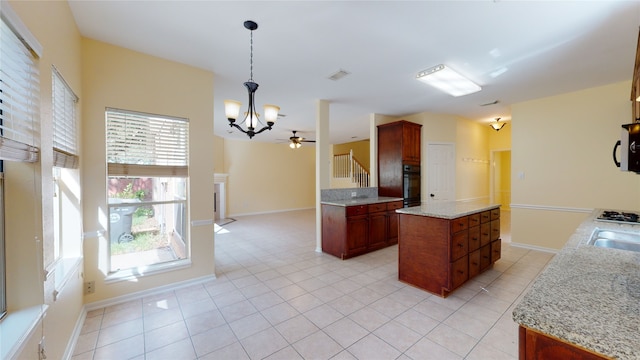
x=619, y=216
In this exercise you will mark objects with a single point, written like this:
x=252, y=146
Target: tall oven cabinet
x=398, y=146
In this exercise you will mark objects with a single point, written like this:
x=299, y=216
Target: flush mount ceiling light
x=497, y=125
x=447, y=80
x=251, y=116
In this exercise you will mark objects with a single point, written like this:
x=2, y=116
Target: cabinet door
x=411, y=143
x=377, y=230
x=485, y=234
x=485, y=257
x=357, y=234
x=474, y=238
x=459, y=272
x=496, y=248
x=459, y=245
x=474, y=263
x=495, y=230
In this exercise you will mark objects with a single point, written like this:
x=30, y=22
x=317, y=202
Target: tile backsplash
x=346, y=194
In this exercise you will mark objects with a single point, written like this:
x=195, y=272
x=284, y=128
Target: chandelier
x=251, y=116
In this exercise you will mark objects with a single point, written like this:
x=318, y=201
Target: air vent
x=338, y=75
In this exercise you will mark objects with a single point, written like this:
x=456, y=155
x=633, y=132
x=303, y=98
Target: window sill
x=134, y=273
x=63, y=270
x=16, y=329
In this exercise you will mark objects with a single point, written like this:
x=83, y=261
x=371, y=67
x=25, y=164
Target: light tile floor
x=276, y=298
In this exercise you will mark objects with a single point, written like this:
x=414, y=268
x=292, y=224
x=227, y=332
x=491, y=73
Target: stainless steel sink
x=622, y=240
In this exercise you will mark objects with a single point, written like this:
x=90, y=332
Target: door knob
x=432, y=195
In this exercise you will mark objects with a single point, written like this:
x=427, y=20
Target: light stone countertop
x=448, y=209
x=588, y=296
x=361, y=201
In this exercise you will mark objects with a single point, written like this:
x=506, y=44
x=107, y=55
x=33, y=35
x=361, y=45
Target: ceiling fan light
x=294, y=145
x=445, y=79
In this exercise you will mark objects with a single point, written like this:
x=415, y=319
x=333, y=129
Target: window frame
x=171, y=161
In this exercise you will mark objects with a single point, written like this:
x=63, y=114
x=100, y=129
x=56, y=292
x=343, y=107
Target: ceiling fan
x=296, y=141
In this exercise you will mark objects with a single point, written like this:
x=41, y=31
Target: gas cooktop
x=619, y=217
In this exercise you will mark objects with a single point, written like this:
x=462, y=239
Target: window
x=66, y=194
x=19, y=111
x=147, y=159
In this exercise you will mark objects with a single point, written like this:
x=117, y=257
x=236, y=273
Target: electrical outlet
x=354, y=194
x=89, y=287
x=41, y=353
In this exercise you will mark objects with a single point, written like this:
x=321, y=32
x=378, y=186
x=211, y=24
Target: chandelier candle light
x=251, y=117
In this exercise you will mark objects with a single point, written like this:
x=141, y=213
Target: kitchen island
x=586, y=303
x=441, y=245
x=356, y=226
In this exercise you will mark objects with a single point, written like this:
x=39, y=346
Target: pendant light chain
x=251, y=58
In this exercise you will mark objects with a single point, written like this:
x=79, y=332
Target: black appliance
x=411, y=185
x=619, y=217
x=629, y=144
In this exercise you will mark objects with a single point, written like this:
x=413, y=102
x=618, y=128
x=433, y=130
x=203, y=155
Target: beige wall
x=471, y=141
x=265, y=177
x=562, y=163
x=119, y=78
x=360, y=149
x=29, y=190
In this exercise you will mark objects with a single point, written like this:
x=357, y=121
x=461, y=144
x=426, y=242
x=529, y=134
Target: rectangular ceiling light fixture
x=447, y=80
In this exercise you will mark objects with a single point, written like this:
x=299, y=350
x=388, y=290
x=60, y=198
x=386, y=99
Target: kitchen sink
x=622, y=240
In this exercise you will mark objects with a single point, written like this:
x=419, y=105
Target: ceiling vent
x=338, y=75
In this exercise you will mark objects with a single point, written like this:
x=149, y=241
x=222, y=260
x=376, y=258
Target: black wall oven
x=411, y=185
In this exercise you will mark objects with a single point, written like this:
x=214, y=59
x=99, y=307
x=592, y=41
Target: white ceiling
x=515, y=50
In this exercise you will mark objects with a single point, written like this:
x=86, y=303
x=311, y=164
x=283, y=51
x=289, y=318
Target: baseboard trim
x=534, y=247
x=269, y=212
x=153, y=291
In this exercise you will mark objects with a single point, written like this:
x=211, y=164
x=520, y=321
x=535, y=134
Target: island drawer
x=394, y=205
x=357, y=210
x=459, y=272
x=459, y=224
x=474, y=219
x=377, y=207
x=474, y=238
x=495, y=214
x=485, y=216
x=459, y=245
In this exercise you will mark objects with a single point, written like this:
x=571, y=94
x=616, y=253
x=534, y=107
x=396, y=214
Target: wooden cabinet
x=439, y=255
x=398, y=144
x=533, y=345
x=349, y=231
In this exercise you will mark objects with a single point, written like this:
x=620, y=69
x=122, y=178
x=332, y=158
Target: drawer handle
x=460, y=244
x=485, y=257
x=474, y=263
x=460, y=272
x=485, y=234
x=474, y=238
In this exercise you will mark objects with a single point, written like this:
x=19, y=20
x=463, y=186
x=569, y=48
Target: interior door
x=441, y=175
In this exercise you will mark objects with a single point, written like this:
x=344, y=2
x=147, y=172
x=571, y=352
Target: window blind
x=65, y=132
x=146, y=145
x=19, y=98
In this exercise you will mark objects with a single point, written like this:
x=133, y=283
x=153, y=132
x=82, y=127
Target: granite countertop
x=588, y=296
x=448, y=209
x=361, y=201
